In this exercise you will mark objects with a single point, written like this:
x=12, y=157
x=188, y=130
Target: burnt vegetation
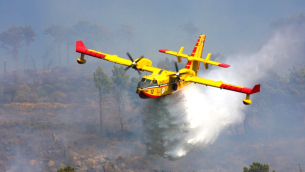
x=51, y=119
x=90, y=119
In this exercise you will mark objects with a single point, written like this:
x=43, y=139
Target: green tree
x=9, y=93
x=133, y=84
x=11, y=40
x=257, y=167
x=29, y=35
x=120, y=81
x=119, y=77
x=58, y=33
x=132, y=91
x=70, y=37
x=103, y=84
x=66, y=169
x=22, y=94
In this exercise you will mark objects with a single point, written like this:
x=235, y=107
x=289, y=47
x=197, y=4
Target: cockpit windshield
x=147, y=82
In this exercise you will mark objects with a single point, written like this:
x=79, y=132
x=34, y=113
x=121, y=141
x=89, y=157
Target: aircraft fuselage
x=154, y=86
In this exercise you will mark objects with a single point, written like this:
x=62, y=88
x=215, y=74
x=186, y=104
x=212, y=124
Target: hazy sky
x=231, y=27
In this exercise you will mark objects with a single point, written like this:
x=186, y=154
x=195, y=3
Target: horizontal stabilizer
x=177, y=54
x=206, y=61
x=224, y=65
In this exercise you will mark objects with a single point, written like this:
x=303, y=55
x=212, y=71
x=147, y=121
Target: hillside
x=50, y=119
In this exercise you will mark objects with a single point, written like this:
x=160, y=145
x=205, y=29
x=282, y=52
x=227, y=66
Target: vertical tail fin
x=197, y=53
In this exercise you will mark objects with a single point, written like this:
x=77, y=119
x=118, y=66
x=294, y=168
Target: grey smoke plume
x=196, y=115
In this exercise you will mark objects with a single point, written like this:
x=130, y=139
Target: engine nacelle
x=175, y=87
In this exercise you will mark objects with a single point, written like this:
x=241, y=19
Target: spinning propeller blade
x=129, y=56
x=127, y=68
x=178, y=73
x=134, y=63
x=176, y=65
x=139, y=59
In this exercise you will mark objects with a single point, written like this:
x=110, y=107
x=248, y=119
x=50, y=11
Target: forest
x=48, y=122
x=91, y=119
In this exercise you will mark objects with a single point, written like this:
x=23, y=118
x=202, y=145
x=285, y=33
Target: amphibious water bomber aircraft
x=164, y=82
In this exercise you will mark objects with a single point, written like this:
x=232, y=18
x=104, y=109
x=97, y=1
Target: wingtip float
x=165, y=82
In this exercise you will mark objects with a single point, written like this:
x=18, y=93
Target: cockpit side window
x=143, y=79
x=155, y=82
x=148, y=80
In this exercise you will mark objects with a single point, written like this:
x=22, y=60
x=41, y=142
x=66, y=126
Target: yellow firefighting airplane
x=164, y=82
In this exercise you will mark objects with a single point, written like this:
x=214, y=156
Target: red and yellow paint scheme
x=164, y=82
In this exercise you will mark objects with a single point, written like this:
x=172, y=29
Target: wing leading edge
x=144, y=64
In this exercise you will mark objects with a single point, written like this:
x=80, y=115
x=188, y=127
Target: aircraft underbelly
x=160, y=91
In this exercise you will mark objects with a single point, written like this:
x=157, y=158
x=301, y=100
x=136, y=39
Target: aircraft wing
x=220, y=84
x=80, y=48
x=204, y=81
x=143, y=64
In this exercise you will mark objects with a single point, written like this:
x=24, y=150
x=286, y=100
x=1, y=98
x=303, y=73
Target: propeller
x=178, y=73
x=134, y=63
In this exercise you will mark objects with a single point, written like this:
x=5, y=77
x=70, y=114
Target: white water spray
x=196, y=115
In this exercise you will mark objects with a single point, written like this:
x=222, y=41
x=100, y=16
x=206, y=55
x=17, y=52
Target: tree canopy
x=101, y=80
x=12, y=39
x=119, y=77
x=66, y=169
x=257, y=167
x=29, y=35
x=57, y=32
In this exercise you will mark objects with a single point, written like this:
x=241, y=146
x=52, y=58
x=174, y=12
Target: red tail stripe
x=88, y=52
x=195, y=48
x=101, y=56
x=237, y=89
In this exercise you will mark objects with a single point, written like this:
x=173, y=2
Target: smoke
x=196, y=115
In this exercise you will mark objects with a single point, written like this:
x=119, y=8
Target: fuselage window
x=148, y=80
x=143, y=79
